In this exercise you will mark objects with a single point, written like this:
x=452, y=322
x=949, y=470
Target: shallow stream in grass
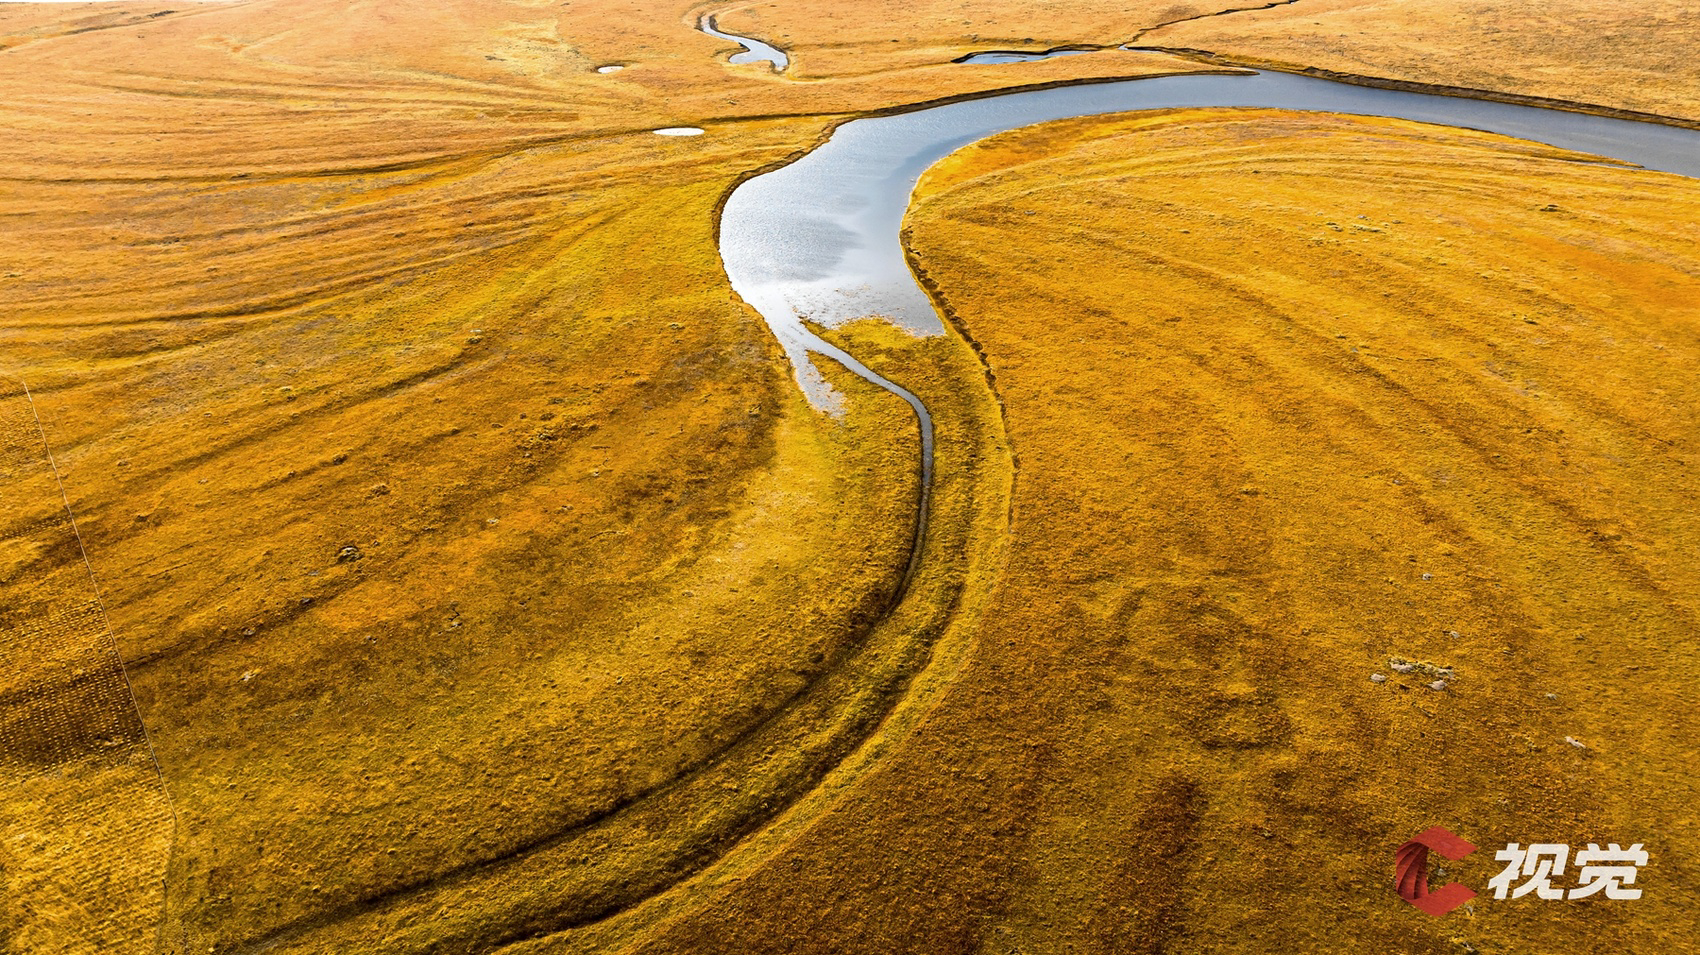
x=1017, y=56
x=755, y=51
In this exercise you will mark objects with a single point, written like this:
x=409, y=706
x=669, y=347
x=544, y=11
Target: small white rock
x=1574, y=742
x=1437, y=685
x=1403, y=667
x=1378, y=678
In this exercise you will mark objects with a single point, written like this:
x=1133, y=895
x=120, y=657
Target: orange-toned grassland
x=1294, y=398
x=455, y=521
x=78, y=783
x=1632, y=56
x=1636, y=56
x=885, y=35
x=484, y=583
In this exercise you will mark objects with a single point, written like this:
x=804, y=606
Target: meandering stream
x=817, y=241
x=755, y=51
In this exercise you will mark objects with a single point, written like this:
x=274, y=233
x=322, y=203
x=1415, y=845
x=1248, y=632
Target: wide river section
x=818, y=239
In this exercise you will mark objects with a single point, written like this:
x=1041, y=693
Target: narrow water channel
x=755, y=51
x=1017, y=56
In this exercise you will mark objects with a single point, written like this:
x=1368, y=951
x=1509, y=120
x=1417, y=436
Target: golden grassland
x=451, y=512
x=1636, y=56
x=77, y=780
x=481, y=575
x=1334, y=393
x=1598, y=52
x=881, y=36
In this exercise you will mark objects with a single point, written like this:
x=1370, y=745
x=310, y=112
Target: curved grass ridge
x=593, y=872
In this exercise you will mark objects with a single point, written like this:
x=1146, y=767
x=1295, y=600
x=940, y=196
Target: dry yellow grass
x=1597, y=52
x=450, y=509
x=86, y=823
x=1247, y=423
x=1293, y=397
x=291, y=278
x=1636, y=56
x=881, y=36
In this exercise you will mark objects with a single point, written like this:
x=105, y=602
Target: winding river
x=818, y=240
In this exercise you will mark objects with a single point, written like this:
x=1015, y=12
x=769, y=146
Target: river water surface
x=818, y=239
x=755, y=51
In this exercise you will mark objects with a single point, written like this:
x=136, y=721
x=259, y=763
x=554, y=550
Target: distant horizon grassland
x=1599, y=52
x=485, y=583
